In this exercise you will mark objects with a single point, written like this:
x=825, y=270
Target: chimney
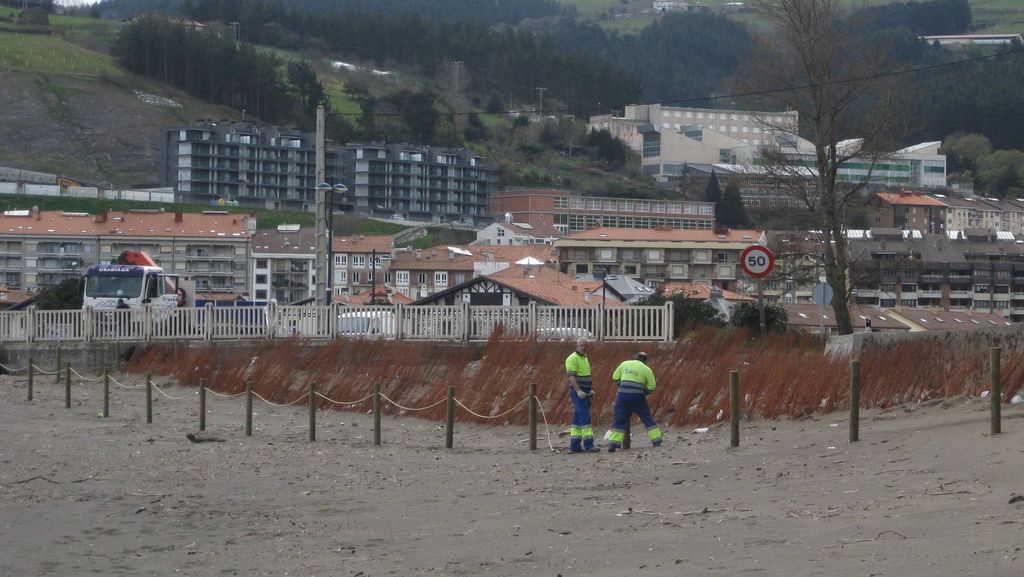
x=101, y=216
x=178, y=216
x=419, y=254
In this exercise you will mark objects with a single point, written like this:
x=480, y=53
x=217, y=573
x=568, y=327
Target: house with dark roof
x=519, y=285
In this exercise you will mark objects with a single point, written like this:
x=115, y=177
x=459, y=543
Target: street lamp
x=326, y=232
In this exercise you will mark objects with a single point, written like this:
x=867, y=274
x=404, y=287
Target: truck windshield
x=113, y=286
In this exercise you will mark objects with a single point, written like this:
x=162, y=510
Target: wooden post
x=106, y=392
x=57, y=379
x=997, y=390
x=854, y=400
x=734, y=409
x=312, y=412
x=149, y=399
x=376, y=414
x=449, y=420
x=31, y=377
x=202, y=404
x=248, y=408
x=67, y=385
x=533, y=414
x=627, y=433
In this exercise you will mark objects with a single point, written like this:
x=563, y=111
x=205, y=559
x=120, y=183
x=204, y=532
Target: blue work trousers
x=581, y=434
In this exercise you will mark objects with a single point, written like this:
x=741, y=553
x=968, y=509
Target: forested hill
x=488, y=11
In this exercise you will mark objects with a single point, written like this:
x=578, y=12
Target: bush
x=747, y=314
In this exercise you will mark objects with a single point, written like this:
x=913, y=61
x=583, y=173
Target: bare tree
x=813, y=59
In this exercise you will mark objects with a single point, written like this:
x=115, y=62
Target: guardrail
x=401, y=322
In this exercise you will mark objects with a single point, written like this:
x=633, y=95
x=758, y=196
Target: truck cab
x=135, y=285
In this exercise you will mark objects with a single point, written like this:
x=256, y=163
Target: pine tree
x=729, y=211
x=712, y=193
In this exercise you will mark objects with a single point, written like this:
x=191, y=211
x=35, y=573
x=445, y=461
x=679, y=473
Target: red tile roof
x=132, y=223
x=910, y=198
x=382, y=243
x=700, y=291
x=388, y=293
x=662, y=235
x=428, y=260
x=549, y=285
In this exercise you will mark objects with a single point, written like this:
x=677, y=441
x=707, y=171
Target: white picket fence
x=401, y=322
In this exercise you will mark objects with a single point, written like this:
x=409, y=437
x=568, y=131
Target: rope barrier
x=459, y=403
x=43, y=372
x=332, y=401
x=12, y=371
x=161, y=391
x=273, y=404
x=547, y=430
x=85, y=378
x=216, y=394
x=385, y=397
x=123, y=386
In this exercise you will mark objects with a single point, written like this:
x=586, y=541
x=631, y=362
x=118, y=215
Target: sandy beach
x=926, y=492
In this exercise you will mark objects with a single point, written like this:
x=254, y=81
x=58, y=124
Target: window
x=910, y=303
x=605, y=254
x=887, y=287
x=358, y=261
x=387, y=278
x=725, y=272
x=261, y=294
x=629, y=269
x=460, y=278
x=981, y=288
x=355, y=278
x=886, y=303
x=421, y=278
x=501, y=231
x=341, y=277
x=340, y=260
x=654, y=255
x=261, y=279
x=908, y=288
x=261, y=263
x=582, y=269
x=441, y=278
x=376, y=262
x=402, y=277
x=721, y=256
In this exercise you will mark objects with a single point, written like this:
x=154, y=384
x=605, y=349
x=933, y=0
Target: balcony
x=932, y=277
x=929, y=294
x=955, y=294
x=866, y=293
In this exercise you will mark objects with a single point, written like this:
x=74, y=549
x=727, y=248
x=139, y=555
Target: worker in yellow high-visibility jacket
x=581, y=391
x=636, y=381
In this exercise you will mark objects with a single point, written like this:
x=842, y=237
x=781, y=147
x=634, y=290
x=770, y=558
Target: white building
x=283, y=264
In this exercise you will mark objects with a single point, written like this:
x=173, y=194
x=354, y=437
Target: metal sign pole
x=760, y=306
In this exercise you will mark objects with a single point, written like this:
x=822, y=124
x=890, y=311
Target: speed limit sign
x=757, y=261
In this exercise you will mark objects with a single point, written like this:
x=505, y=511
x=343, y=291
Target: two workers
x=634, y=379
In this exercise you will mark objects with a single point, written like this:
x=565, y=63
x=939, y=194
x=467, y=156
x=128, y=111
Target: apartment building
x=571, y=212
x=907, y=210
x=420, y=183
x=973, y=269
x=43, y=248
x=283, y=264
x=224, y=161
x=659, y=256
x=989, y=213
x=269, y=167
x=361, y=262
